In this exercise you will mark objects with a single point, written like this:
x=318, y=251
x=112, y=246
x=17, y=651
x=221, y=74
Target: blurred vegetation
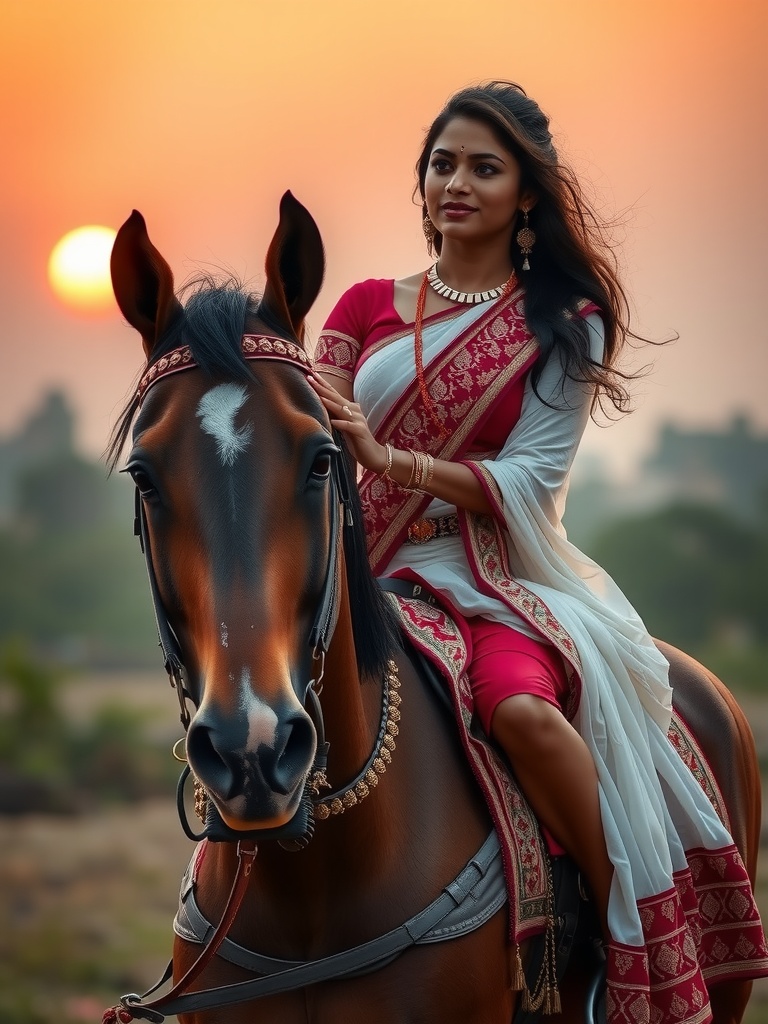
x=698, y=578
x=49, y=763
x=74, y=584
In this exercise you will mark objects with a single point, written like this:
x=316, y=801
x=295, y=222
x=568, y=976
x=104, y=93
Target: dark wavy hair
x=572, y=259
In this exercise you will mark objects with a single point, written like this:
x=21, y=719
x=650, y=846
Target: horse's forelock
x=215, y=313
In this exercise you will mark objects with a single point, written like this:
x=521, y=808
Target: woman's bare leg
x=557, y=774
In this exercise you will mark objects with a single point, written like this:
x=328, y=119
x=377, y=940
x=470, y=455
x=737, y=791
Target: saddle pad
x=526, y=863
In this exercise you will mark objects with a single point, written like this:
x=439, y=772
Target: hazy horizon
x=202, y=116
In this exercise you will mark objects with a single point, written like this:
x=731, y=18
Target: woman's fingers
x=322, y=387
x=348, y=417
x=343, y=410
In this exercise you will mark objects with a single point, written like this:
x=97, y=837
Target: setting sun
x=78, y=269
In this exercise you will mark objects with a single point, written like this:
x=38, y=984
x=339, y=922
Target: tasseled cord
x=546, y=994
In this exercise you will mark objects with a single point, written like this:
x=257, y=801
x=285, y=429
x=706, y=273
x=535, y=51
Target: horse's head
x=238, y=474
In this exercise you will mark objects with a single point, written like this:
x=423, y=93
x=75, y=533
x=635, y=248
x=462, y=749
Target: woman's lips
x=457, y=212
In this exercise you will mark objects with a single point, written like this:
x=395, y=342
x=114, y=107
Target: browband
x=253, y=346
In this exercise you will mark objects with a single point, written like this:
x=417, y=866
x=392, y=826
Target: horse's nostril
x=207, y=763
x=297, y=754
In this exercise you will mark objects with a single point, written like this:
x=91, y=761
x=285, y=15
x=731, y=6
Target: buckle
x=422, y=530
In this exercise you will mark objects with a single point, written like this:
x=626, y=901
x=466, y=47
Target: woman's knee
x=526, y=723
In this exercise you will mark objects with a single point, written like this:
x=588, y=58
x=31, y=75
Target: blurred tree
x=62, y=495
x=695, y=574
x=74, y=583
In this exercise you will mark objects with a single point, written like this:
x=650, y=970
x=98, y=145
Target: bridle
x=296, y=833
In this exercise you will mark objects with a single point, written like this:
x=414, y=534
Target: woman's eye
x=321, y=467
x=485, y=170
x=441, y=166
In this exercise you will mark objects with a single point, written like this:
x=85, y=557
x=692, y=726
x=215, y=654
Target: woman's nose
x=455, y=184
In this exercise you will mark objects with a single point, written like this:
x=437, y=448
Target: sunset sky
x=201, y=113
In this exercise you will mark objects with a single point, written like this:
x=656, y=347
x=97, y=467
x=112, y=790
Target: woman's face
x=472, y=185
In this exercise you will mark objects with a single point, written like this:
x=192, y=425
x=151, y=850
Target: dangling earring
x=429, y=232
x=526, y=239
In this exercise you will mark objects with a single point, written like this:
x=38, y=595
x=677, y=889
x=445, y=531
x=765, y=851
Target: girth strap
x=362, y=958
x=488, y=896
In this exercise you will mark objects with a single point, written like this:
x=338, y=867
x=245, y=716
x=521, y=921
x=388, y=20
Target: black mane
x=212, y=321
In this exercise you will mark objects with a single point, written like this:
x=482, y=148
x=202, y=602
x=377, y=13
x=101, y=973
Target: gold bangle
x=414, y=470
x=390, y=457
x=422, y=471
x=427, y=478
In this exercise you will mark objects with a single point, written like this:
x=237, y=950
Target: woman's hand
x=347, y=417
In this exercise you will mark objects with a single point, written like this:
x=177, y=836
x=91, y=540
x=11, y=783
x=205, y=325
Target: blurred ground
x=86, y=902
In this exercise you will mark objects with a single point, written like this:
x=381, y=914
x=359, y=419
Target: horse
x=288, y=652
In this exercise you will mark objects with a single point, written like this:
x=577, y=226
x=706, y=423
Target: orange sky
x=201, y=114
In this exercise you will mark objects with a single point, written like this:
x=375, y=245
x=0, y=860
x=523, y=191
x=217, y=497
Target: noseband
x=299, y=829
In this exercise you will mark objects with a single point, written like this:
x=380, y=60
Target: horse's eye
x=321, y=467
x=139, y=476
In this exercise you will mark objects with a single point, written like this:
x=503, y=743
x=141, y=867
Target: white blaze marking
x=217, y=410
x=262, y=720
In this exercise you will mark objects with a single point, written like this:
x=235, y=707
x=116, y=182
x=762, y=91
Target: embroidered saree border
x=487, y=555
x=691, y=754
x=526, y=867
x=465, y=379
x=704, y=930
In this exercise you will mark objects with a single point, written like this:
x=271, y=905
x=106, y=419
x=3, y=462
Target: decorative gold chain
x=358, y=791
x=381, y=757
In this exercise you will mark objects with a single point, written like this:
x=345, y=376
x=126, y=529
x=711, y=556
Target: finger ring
x=347, y=410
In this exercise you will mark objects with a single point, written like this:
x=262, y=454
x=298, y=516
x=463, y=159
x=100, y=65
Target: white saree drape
x=653, y=808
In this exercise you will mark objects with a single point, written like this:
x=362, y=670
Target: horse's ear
x=295, y=267
x=142, y=282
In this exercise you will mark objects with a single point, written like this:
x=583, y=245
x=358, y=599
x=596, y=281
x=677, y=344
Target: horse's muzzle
x=253, y=762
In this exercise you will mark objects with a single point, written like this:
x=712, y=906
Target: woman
x=463, y=393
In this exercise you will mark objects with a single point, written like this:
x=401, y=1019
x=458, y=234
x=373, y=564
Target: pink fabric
x=506, y=663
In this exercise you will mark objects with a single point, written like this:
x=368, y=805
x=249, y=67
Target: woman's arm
x=451, y=481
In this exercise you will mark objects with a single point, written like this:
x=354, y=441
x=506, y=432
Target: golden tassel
x=518, y=974
x=552, y=1001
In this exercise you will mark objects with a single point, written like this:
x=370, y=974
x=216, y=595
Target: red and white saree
x=681, y=907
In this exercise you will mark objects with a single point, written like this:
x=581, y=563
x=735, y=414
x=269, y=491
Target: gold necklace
x=455, y=295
